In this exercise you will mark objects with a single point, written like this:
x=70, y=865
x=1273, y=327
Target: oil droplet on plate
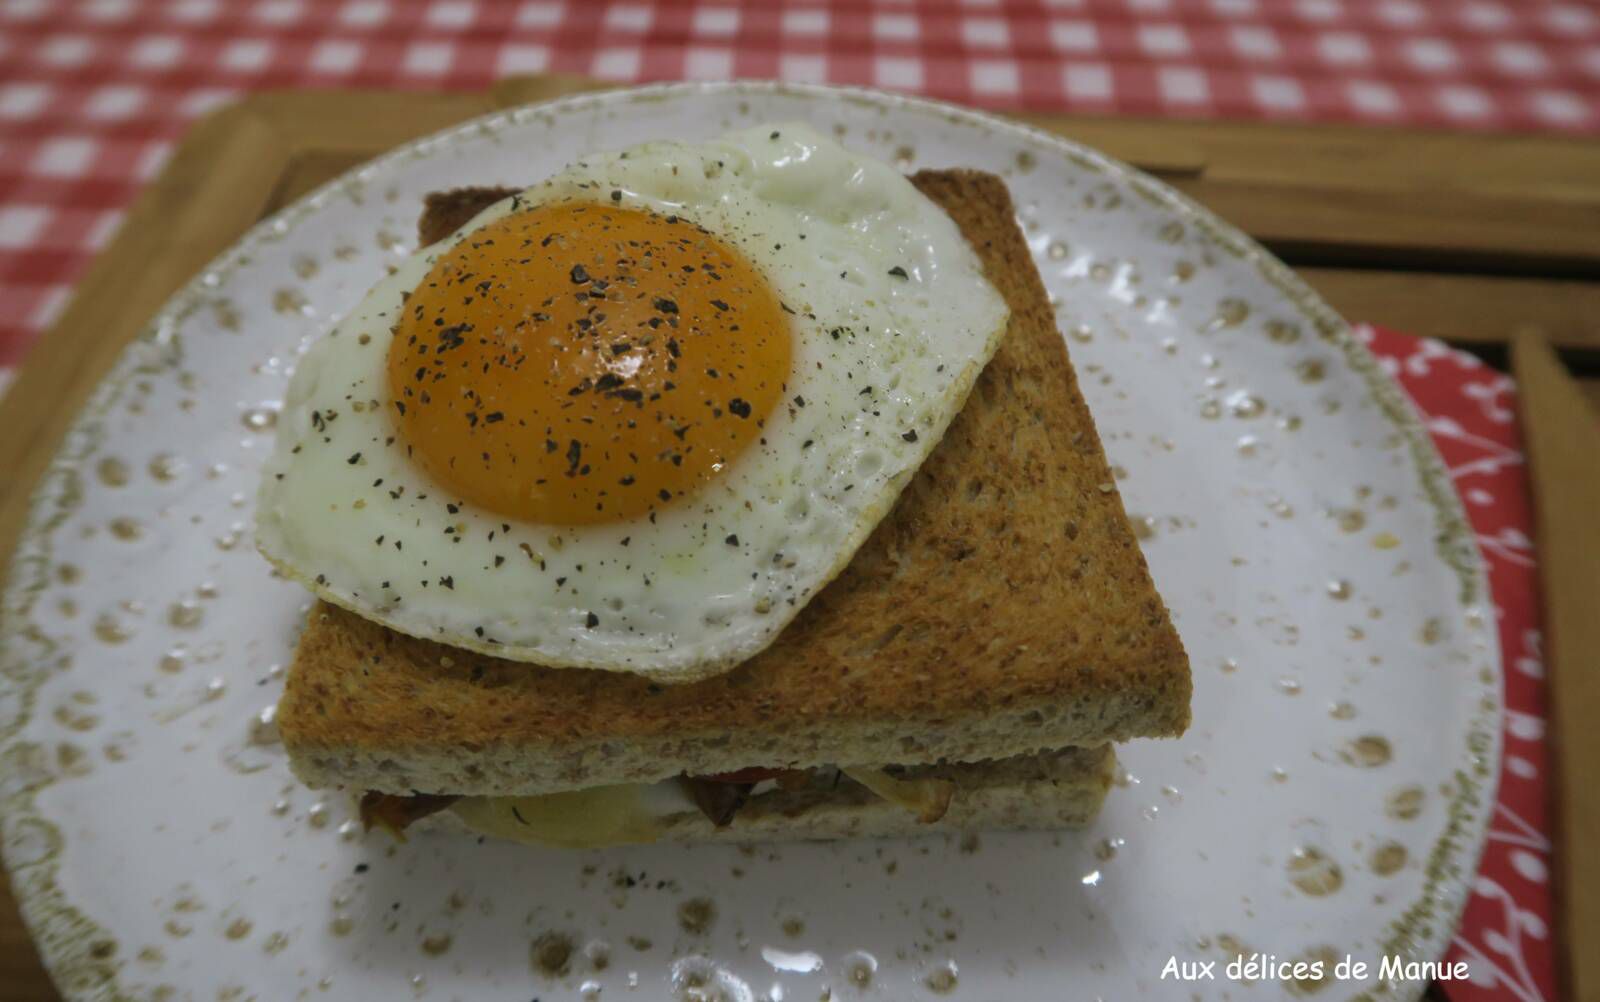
x=1385, y=541
x=317, y=815
x=1183, y=271
x=794, y=927
x=1432, y=631
x=1289, y=686
x=1322, y=959
x=696, y=916
x=860, y=968
x=260, y=418
x=341, y=925
x=1057, y=251
x=264, y=726
x=108, y=629
x=112, y=471
x=215, y=689
x=1367, y=751
x=1351, y=520
x=239, y=928
x=1082, y=333
x=1339, y=589
x=1230, y=313
x=1282, y=331
x=942, y=980
x=126, y=529
x=1405, y=804
x=1314, y=872
x=166, y=467
x=185, y=614
x=437, y=946
x=1388, y=858
x=1210, y=409
x=551, y=954
x=290, y=301
x=1172, y=232
x=1245, y=404
x=1342, y=711
x=1106, y=849
x=1312, y=370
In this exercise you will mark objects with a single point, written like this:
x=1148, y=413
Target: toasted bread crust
x=1003, y=607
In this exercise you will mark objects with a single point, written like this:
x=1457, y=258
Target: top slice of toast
x=1001, y=608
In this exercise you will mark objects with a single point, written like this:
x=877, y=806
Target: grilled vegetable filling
x=639, y=812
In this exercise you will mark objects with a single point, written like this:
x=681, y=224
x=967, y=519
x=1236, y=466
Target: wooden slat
x=21, y=972
x=1413, y=199
x=1560, y=432
x=1469, y=308
x=1405, y=226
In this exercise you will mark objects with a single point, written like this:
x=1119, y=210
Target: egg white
x=892, y=322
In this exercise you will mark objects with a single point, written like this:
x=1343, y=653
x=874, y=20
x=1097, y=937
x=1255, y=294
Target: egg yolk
x=579, y=363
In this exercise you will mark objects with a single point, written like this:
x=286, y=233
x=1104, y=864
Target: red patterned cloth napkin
x=1470, y=410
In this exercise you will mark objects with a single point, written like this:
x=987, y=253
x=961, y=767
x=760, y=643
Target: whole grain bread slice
x=1001, y=609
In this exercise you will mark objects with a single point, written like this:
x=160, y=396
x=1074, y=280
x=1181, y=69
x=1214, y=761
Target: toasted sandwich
x=969, y=669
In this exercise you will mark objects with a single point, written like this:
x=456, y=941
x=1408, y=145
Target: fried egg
x=633, y=417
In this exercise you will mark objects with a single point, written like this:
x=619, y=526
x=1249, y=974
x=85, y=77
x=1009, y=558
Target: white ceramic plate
x=1329, y=800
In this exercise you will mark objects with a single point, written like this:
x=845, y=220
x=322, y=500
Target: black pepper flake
x=616, y=196
x=580, y=275
x=574, y=457
x=354, y=459
x=739, y=407
x=719, y=304
x=732, y=540
x=448, y=581
x=910, y=436
x=773, y=136
x=664, y=494
x=799, y=401
x=499, y=559
x=898, y=272
x=672, y=347
x=591, y=622
x=665, y=305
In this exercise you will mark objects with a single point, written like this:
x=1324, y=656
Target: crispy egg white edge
x=672, y=665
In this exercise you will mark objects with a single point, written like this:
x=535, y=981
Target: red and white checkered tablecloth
x=93, y=95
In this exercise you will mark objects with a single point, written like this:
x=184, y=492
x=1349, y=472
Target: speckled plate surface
x=1329, y=800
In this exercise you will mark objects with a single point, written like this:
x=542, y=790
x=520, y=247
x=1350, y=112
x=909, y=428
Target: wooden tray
x=1464, y=237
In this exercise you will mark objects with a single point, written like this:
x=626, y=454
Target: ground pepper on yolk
x=579, y=363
